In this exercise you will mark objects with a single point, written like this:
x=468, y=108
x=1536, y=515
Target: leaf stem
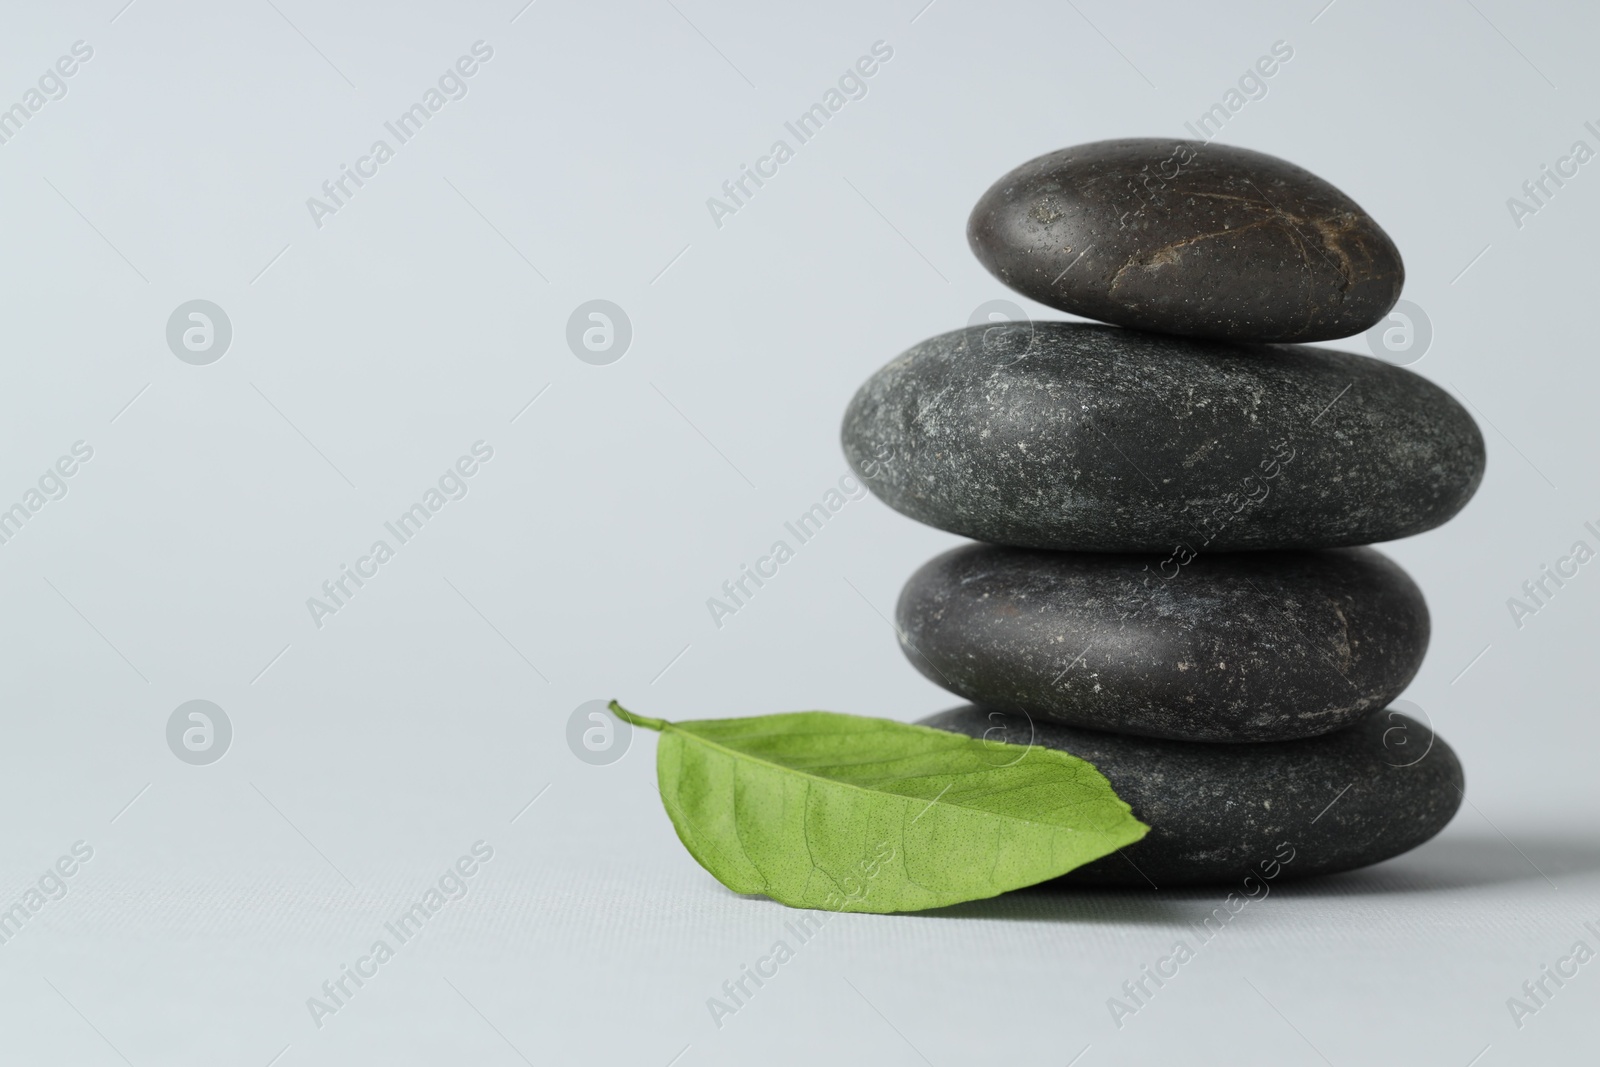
x=637, y=720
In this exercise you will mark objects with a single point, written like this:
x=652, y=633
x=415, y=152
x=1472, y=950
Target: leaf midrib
x=737, y=754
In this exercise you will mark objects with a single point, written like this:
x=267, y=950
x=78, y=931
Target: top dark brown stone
x=1191, y=238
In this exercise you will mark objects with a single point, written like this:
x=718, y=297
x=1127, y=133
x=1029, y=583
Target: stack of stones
x=1170, y=581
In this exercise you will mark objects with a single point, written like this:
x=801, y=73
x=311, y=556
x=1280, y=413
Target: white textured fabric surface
x=372, y=347
x=560, y=954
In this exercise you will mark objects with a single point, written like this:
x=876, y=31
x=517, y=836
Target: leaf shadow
x=1071, y=904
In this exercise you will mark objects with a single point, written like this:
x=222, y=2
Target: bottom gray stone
x=1277, y=809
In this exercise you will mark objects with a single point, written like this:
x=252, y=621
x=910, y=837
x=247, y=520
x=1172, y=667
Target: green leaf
x=840, y=812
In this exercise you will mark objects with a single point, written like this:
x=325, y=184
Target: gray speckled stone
x=1263, y=646
x=1100, y=439
x=1219, y=813
x=1188, y=238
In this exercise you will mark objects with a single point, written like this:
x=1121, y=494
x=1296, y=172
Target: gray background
x=370, y=353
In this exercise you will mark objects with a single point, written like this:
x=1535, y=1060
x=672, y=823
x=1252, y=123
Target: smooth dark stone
x=1188, y=238
x=1099, y=439
x=1221, y=813
x=1264, y=646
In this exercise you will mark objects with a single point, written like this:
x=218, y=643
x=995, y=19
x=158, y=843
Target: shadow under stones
x=1465, y=861
x=1452, y=864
